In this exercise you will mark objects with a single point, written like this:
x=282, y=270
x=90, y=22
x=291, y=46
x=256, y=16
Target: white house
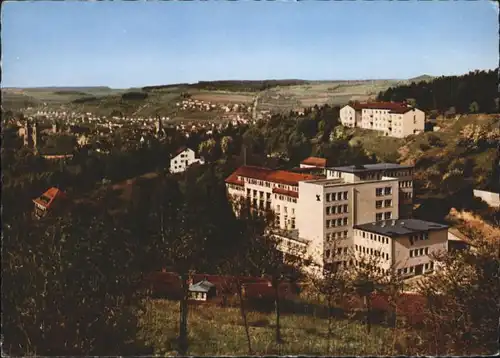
x=182, y=159
x=393, y=119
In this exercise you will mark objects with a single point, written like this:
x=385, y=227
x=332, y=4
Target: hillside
x=271, y=95
x=449, y=162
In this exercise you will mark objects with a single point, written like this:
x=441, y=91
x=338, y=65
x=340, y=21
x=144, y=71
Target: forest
x=474, y=92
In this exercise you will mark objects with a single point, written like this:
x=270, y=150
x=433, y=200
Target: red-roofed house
x=313, y=162
x=267, y=189
x=48, y=202
x=394, y=119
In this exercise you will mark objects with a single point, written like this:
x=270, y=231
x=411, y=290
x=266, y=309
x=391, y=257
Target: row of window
x=419, y=252
x=285, y=209
x=419, y=237
x=337, y=222
x=406, y=184
x=339, y=251
x=268, y=184
x=339, y=209
x=336, y=196
x=285, y=198
x=411, y=269
x=336, y=235
x=374, y=237
x=289, y=223
x=383, y=204
x=383, y=191
x=371, y=251
x=407, y=195
x=383, y=216
x=236, y=187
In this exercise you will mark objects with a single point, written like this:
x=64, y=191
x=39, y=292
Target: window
x=411, y=253
x=345, y=221
x=346, y=208
x=334, y=209
x=388, y=203
x=345, y=195
x=328, y=223
x=334, y=196
x=387, y=215
x=378, y=192
x=421, y=252
x=378, y=204
x=286, y=209
x=293, y=223
x=388, y=190
x=427, y=251
x=363, y=234
x=328, y=197
x=345, y=233
x=255, y=193
x=378, y=217
x=339, y=222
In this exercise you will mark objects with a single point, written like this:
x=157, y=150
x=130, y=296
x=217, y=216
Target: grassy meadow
x=220, y=331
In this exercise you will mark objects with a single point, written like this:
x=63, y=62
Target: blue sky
x=125, y=44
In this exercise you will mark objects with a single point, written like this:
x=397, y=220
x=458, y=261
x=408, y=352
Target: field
x=219, y=331
x=223, y=97
x=161, y=100
x=320, y=93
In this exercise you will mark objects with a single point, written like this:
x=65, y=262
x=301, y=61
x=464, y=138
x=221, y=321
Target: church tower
x=160, y=132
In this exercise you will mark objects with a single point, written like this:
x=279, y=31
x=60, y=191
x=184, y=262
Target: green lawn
x=219, y=331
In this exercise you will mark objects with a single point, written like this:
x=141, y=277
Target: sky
x=124, y=44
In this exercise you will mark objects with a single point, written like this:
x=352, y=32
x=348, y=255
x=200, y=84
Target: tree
x=334, y=283
x=207, y=149
x=226, y=144
x=280, y=267
x=72, y=285
x=474, y=107
x=462, y=304
x=243, y=254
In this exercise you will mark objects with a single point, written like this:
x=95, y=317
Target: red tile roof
x=47, y=199
x=402, y=110
x=315, y=161
x=266, y=174
x=293, y=194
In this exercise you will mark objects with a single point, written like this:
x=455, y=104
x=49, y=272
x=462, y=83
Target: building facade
x=392, y=119
x=404, y=245
x=182, y=159
x=319, y=215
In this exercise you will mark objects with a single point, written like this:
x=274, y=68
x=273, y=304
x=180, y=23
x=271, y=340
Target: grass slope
x=219, y=331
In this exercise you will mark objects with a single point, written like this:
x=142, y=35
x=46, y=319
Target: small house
x=202, y=291
x=49, y=201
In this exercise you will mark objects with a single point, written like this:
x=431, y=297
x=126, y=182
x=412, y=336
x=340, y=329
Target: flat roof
x=290, y=234
x=342, y=182
x=400, y=227
x=370, y=167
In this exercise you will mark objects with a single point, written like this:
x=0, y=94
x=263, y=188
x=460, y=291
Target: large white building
x=182, y=159
x=392, y=119
x=322, y=215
